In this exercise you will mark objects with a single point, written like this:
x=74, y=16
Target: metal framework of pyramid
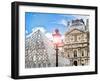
x=40, y=52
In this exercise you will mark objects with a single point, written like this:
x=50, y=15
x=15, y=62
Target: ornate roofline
x=73, y=30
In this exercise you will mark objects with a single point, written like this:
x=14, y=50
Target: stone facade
x=76, y=46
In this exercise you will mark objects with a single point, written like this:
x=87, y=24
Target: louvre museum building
x=40, y=51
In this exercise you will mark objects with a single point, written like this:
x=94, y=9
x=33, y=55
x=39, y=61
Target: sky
x=48, y=22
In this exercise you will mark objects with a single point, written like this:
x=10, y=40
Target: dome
x=78, y=24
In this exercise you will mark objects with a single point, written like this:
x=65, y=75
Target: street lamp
x=57, y=42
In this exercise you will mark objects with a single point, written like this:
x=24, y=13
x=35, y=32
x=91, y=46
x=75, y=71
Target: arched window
x=82, y=53
x=39, y=65
x=75, y=53
x=49, y=64
x=34, y=65
x=68, y=55
x=44, y=64
x=75, y=63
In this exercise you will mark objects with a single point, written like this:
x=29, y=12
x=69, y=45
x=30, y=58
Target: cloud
x=63, y=22
x=43, y=30
x=39, y=28
x=26, y=32
x=62, y=37
x=49, y=36
x=82, y=17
